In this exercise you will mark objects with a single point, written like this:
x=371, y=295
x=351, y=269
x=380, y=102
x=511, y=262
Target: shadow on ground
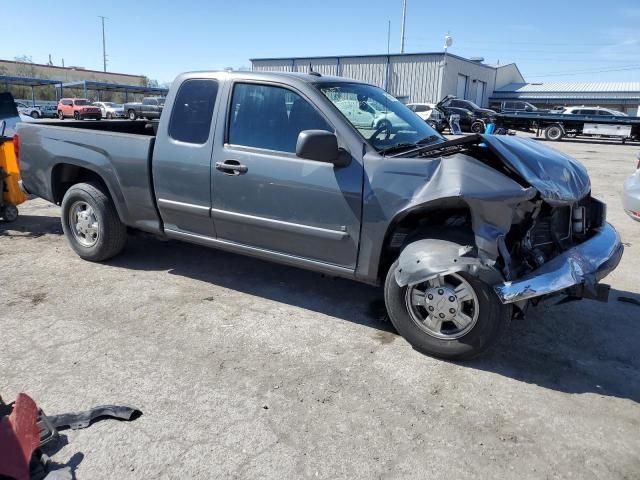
x=578, y=347
x=31, y=226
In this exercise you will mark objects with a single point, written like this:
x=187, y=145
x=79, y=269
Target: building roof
x=572, y=87
x=77, y=69
x=391, y=55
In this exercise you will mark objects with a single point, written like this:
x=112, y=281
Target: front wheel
x=61, y=115
x=35, y=115
x=478, y=126
x=132, y=115
x=91, y=223
x=455, y=316
x=76, y=116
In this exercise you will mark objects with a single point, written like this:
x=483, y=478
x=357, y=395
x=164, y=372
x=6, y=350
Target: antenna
x=388, y=37
x=404, y=19
x=448, y=41
x=104, y=47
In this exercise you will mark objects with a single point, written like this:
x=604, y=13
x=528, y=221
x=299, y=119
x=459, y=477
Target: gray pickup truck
x=463, y=234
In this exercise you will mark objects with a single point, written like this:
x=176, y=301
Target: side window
x=192, y=111
x=508, y=105
x=147, y=101
x=421, y=108
x=270, y=117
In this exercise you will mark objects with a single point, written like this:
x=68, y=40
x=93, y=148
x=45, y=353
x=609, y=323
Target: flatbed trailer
x=555, y=126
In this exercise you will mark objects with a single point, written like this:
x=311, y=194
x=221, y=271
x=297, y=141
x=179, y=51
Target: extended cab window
x=193, y=111
x=269, y=117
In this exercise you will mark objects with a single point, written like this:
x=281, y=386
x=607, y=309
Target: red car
x=78, y=108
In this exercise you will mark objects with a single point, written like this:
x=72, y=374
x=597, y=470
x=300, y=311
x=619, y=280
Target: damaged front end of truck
x=537, y=230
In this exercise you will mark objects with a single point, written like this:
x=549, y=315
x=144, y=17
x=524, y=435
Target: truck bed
x=119, y=152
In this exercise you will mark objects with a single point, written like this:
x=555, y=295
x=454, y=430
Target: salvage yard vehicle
x=110, y=110
x=32, y=111
x=78, y=109
x=463, y=234
x=150, y=108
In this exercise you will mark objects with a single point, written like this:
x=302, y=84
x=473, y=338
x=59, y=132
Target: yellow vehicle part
x=8, y=163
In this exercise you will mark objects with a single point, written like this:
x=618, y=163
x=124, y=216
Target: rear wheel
x=109, y=116
x=455, y=316
x=35, y=115
x=91, y=223
x=553, y=133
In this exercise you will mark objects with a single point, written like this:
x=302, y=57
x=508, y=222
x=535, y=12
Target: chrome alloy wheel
x=444, y=307
x=83, y=223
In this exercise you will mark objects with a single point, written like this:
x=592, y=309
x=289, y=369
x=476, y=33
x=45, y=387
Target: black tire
x=9, y=213
x=112, y=233
x=76, y=116
x=477, y=127
x=553, y=133
x=132, y=115
x=60, y=115
x=493, y=319
x=35, y=115
x=109, y=116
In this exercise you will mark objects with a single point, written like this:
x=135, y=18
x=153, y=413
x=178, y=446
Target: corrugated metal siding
x=367, y=69
x=416, y=78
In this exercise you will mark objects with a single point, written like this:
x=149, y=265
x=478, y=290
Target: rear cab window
x=192, y=111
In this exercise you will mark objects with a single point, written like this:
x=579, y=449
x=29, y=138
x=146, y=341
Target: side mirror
x=322, y=146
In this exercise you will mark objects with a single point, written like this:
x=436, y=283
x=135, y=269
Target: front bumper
x=585, y=264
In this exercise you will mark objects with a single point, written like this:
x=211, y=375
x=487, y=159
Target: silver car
x=631, y=194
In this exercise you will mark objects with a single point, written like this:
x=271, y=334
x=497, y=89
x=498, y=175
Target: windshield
x=381, y=119
x=109, y=104
x=82, y=102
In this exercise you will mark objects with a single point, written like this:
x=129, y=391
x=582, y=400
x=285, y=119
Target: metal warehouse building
x=624, y=96
x=413, y=77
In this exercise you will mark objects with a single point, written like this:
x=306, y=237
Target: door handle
x=231, y=167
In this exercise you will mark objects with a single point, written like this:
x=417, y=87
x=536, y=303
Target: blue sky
x=560, y=40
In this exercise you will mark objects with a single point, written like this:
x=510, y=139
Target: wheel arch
x=409, y=224
x=64, y=175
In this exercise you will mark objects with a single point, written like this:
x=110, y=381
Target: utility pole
x=104, y=45
x=404, y=18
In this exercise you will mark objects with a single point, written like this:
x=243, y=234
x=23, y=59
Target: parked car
x=49, y=111
x=451, y=101
x=110, y=110
x=369, y=114
x=631, y=194
x=32, y=111
x=78, y=109
x=431, y=114
x=150, y=108
x=517, y=106
x=592, y=111
x=461, y=233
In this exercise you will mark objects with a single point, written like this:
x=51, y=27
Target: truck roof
x=288, y=76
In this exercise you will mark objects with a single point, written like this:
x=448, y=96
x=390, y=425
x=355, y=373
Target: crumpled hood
x=559, y=178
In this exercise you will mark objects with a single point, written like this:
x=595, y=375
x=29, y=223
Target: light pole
x=104, y=45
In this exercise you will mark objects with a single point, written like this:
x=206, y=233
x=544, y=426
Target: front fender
x=425, y=259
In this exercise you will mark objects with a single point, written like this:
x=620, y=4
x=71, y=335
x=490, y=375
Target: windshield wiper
x=401, y=146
